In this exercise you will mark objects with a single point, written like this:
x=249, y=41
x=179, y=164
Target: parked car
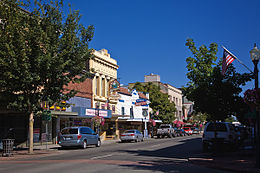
x=196, y=131
x=221, y=132
x=183, y=133
x=132, y=135
x=79, y=136
x=180, y=132
x=165, y=130
x=187, y=130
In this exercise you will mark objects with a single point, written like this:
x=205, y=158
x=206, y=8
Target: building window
x=123, y=110
x=97, y=86
x=103, y=89
x=113, y=108
x=132, y=113
x=108, y=88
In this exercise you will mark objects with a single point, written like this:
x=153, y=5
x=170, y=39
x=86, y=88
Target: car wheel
x=142, y=140
x=84, y=146
x=98, y=143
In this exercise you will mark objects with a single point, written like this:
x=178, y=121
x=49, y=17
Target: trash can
x=7, y=147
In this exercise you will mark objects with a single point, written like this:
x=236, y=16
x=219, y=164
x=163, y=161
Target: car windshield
x=130, y=131
x=69, y=131
x=219, y=127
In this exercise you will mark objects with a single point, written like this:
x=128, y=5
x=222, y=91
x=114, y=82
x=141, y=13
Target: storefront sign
x=96, y=112
x=140, y=103
x=140, y=100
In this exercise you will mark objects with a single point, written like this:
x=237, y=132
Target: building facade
x=133, y=110
x=188, y=108
x=104, y=69
x=175, y=94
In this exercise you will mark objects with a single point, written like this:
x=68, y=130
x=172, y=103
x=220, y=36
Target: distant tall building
x=175, y=94
x=152, y=78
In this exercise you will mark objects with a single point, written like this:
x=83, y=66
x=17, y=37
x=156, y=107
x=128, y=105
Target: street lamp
x=255, y=56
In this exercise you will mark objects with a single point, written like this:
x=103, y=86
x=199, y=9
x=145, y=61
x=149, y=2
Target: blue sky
x=148, y=36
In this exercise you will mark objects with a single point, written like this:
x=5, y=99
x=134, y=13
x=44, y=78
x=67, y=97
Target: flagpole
x=237, y=59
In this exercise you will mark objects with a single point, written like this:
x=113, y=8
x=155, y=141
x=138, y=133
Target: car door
x=86, y=135
x=139, y=134
x=92, y=136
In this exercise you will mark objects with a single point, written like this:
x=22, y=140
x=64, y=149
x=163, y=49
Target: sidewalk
x=239, y=161
x=41, y=150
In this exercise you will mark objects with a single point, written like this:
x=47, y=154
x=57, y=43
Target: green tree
x=159, y=101
x=212, y=93
x=199, y=117
x=41, y=51
x=230, y=119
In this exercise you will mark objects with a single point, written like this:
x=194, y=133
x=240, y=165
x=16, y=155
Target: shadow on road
x=168, y=159
x=186, y=149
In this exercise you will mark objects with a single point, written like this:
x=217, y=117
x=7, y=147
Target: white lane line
x=99, y=157
x=155, y=145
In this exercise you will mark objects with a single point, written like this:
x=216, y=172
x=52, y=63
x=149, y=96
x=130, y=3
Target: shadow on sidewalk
x=236, y=161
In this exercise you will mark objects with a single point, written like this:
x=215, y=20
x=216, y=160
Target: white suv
x=225, y=134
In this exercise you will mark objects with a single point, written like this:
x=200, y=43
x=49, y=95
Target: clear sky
x=148, y=36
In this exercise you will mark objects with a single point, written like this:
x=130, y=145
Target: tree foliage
x=40, y=51
x=159, y=101
x=212, y=93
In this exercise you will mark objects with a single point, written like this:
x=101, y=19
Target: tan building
x=105, y=70
x=175, y=94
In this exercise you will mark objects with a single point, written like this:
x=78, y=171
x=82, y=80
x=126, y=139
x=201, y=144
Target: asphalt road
x=152, y=155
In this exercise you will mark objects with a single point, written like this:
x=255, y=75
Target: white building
x=133, y=110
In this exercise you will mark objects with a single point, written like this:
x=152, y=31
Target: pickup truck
x=165, y=130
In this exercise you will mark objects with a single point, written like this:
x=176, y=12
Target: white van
x=222, y=132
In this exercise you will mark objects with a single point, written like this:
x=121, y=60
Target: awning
x=133, y=119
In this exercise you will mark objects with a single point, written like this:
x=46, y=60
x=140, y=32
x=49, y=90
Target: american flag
x=227, y=59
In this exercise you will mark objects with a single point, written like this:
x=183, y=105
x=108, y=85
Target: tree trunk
x=31, y=120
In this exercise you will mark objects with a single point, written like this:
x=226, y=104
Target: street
x=152, y=155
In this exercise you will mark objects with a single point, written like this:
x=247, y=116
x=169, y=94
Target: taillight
x=131, y=134
x=79, y=136
x=122, y=135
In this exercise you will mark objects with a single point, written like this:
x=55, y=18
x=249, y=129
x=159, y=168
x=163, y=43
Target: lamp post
x=255, y=56
x=97, y=115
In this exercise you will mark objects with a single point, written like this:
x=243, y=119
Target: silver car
x=79, y=136
x=132, y=135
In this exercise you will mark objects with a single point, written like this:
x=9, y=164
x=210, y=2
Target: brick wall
x=84, y=88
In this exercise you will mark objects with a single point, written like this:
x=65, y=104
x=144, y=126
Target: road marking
x=155, y=145
x=98, y=157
